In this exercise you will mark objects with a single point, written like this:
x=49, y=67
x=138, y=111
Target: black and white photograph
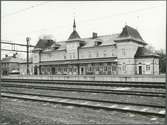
x=83, y=62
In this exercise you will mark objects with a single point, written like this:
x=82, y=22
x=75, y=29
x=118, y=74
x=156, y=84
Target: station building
x=11, y=64
x=123, y=53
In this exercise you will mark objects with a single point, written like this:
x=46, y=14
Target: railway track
x=90, y=103
x=91, y=83
x=85, y=99
x=119, y=92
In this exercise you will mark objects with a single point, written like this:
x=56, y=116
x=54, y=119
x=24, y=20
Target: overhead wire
x=124, y=13
x=24, y=9
x=88, y=20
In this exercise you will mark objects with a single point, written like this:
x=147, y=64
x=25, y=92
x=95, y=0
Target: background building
x=23, y=67
x=10, y=65
x=116, y=54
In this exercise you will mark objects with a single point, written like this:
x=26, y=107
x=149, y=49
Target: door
x=140, y=70
x=53, y=70
x=35, y=70
x=82, y=70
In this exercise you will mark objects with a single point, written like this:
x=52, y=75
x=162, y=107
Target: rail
x=116, y=78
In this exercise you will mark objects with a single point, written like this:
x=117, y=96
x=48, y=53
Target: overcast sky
x=20, y=19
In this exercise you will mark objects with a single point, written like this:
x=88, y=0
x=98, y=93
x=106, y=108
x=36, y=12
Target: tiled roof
x=44, y=43
x=90, y=42
x=74, y=35
x=144, y=52
x=129, y=31
x=105, y=39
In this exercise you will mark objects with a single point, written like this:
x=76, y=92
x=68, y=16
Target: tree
x=162, y=60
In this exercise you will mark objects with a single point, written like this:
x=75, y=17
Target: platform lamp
x=28, y=43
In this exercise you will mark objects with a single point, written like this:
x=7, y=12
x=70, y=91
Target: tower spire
x=74, y=26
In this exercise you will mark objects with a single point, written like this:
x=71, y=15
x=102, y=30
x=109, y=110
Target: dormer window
x=97, y=43
x=82, y=43
x=56, y=46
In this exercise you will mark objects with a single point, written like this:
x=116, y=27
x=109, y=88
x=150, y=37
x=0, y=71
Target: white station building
x=124, y=53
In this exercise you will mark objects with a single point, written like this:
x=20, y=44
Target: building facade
x=23, y=68
x=116, y=54
x=11, y=64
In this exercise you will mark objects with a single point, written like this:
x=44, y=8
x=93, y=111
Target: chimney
x=94, y=35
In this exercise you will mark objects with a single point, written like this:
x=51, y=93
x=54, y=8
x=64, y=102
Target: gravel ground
x=37, y=113
x=15, y=118
x=113, y=97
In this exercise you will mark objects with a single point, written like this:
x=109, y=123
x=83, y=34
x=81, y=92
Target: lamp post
x=28, y=40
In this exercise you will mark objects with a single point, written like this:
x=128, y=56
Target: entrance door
x=140, y=70
x=53, y=70
x=82, y=70
x=35, y=70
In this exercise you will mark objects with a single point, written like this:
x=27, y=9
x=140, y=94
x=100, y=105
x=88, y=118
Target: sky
x=21, y=19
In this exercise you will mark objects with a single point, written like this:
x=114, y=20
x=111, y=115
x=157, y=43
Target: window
x=75, y=69
x=97, y=43
x=124, y=67
x=123, y=52
x=70, y=56
x=114, y=68
x=147, y=67
x=104, y=53
x=112, y=53
x=65, y=69
x=73, y=55
x=89, y=69
x=55, y=69
x=70, y=69
x=109, y=68
x=43, y=70
x=97, y=54
x=90, y=55
x=64, y=56
x=59, y=69
x=105, y=68
x=48, y=70
x=97, y=68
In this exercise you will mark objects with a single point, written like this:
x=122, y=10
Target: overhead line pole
x=0, y=71
x=26, y=45
x=28, y=39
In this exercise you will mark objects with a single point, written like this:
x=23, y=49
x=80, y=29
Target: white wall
x=53, y=55
x=152, y=62
x=97, y=52
x=35, y=57
x=125, y=53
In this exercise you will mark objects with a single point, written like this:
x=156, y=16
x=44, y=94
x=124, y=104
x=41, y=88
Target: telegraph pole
x=0, y=71
x=28, y=40
x=0, y=75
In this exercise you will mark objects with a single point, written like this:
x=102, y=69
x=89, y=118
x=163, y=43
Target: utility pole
x=78, y=61
x=28, y=40
x=0, y=75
